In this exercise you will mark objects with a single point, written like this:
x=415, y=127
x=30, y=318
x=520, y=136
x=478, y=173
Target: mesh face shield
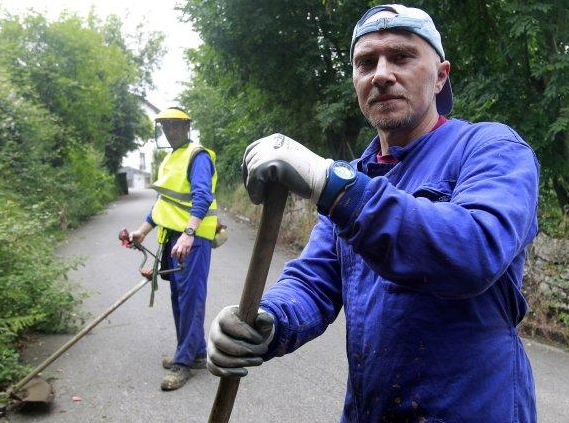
x=171, y=133
x=171, y=128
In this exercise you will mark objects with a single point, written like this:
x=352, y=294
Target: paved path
x=116, y=369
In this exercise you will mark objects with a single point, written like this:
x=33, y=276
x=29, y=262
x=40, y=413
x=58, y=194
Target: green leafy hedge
x=43, y=190
x=34, y=292
x=70, y=108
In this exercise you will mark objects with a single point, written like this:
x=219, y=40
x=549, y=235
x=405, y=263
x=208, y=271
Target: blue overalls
x=188, y=293
x=426, y=258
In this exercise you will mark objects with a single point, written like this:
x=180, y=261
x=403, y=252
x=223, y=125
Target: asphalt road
x=116, y=369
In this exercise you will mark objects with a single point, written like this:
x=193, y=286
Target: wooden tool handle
x=273, y=209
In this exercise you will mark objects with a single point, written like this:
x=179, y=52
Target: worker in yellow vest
x=186, y=215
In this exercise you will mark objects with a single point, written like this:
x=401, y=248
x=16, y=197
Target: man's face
x=396, y=75
x=176, y=131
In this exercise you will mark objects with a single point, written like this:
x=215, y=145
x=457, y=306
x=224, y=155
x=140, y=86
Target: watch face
x=344, y=170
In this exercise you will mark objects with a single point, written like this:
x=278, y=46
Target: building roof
x=129, y=169
x=150, y=105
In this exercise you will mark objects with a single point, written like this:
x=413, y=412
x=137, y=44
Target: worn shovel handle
x=267, y=234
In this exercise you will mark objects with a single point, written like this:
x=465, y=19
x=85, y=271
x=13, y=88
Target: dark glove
x=234, y=345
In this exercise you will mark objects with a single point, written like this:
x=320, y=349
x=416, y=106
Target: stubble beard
x=389, y=123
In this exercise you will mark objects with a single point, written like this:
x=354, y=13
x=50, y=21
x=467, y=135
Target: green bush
x=34, y=292
x=85, y=186
x=43, y=190
x=553, y=220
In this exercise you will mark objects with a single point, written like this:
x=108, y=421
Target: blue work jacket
x=426, y=256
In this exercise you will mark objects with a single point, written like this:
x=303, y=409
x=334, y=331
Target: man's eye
x=365, y=63
x=402, y=56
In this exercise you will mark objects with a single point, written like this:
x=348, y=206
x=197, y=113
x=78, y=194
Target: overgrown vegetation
x=69, y=110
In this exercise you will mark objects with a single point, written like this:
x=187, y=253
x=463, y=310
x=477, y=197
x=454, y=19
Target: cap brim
x=444, y=99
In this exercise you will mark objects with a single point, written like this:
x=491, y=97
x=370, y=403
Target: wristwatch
x=340, y=176
x=190, y=231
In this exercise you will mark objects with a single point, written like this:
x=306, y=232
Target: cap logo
x=382, y=17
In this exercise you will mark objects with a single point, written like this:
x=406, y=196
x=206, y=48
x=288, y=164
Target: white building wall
x=138, y=181
x=141, y=159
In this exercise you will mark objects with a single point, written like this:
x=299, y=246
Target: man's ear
x=443, y=71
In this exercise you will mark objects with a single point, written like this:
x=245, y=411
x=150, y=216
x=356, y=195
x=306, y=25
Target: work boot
x=175, y=377
x=199, y=362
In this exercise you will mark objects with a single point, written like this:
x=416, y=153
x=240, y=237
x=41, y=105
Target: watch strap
x=349, y=205
x=333, y=187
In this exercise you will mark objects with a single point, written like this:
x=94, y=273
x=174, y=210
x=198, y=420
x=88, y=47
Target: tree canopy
x=82, y=71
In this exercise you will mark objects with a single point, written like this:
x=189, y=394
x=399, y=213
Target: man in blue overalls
x=422, y=241
x=185, y=213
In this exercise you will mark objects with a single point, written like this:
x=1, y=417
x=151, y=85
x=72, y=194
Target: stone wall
x=546, y=287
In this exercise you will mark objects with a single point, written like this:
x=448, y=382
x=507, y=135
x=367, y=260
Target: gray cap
x=409, y=19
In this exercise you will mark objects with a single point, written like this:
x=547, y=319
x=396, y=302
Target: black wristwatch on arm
x=190, y=231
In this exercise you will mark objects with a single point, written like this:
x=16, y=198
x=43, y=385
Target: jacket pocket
x=436, y=192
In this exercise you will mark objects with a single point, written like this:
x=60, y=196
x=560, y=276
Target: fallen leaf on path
x=76, y=398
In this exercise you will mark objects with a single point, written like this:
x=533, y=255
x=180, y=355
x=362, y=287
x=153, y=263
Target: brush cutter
x=150, y=273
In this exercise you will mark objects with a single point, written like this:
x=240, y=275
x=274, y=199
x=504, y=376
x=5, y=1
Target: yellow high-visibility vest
x=173, y=207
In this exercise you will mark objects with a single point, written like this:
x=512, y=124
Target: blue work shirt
x=199, y=175
x=426, y=256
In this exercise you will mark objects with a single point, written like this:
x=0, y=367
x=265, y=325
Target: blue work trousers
x=188, y=294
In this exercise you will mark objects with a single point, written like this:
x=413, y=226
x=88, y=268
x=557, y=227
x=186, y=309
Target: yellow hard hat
x=172, y=113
